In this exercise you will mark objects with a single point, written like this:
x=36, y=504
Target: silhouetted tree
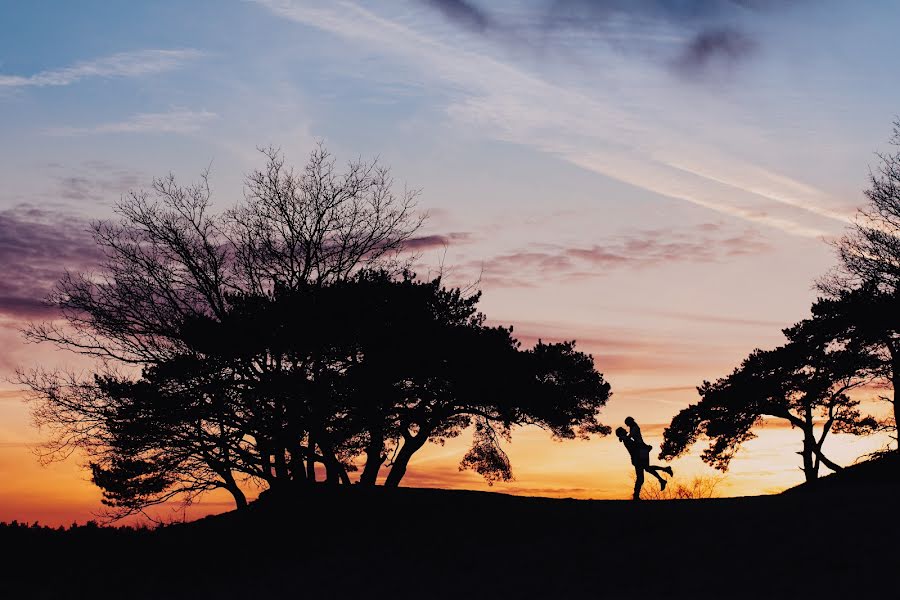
x=868, y=320
x=864, y=290
x=148, y=441
x=870, y=251
x=808, y=378
x=282, y=336
x=318, y=226
x=364, y=369
x=170, y=261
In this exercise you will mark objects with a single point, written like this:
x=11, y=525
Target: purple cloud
x=702, y=243
x=723, y=47
x=36, y=247
x=463, y=12
x=428, y=242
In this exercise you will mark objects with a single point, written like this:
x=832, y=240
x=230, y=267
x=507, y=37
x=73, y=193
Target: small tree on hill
x=805, y=383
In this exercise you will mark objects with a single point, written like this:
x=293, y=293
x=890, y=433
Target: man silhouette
x=640, y=458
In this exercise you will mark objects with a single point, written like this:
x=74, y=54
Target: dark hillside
x=452, y=544
x=872, y=477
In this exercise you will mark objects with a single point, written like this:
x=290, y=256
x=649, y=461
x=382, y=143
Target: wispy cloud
x=588, y=127
x=89, y=181
x=123, y=64
x=177, y=121
x=621, y=350
x=709, y=242
x=710, y=318
x=94, y=181
x=428, y=242
x=645, y=391
x=637, y=357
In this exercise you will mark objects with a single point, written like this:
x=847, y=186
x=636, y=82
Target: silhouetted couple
x=640, y=456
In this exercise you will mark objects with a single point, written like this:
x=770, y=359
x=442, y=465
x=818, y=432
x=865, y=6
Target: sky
x=656, y=179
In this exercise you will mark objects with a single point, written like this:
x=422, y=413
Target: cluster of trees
x=850, y=341
x=282, y=341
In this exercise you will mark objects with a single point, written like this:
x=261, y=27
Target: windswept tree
x=283, y=339
x=170, y=260
x=806, y=383
x=864, y=289
x=357, y=373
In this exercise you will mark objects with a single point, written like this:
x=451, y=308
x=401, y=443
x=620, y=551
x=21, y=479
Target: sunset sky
x=656, y=179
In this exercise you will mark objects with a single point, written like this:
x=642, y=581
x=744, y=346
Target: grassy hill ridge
x=876, y=476
x=459, y=544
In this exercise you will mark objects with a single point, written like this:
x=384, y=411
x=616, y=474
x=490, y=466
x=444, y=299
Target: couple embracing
x=640, y=456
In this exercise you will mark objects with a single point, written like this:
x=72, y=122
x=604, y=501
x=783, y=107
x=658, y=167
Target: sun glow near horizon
x=61, y=493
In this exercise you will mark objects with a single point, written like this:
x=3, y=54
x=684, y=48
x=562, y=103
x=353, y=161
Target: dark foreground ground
x=838, y=541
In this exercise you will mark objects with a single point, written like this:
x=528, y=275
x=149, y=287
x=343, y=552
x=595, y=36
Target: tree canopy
x=805, y=382
x=360, y=371
x=863, y=291
x=169, y=258
x=283, y=340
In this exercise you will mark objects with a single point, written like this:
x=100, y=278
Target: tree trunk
x=820, y=456
x=335, y=471
x=297, y=465
x=331, y=476
x=281, y=469
x=343, y=475
x=240, y=500
x=311, y=460
x=374, y=458
x=895, y=383
x=265, y=459
x=827, y=461
x=810, y=467
x=410, y=445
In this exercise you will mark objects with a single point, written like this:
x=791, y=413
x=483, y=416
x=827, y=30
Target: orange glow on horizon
x=598, y=469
